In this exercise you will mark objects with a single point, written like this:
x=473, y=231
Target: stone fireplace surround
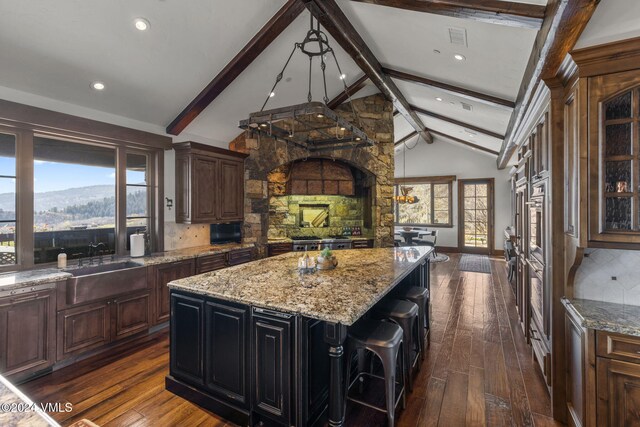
x=267, y=155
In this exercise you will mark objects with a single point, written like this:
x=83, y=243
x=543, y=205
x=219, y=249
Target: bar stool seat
x=385, y=340
x=406, y=314
x=420, y=297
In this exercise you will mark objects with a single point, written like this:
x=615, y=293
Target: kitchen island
x=261, y=343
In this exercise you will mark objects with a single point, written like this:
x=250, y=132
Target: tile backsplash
x=181, y=236
x=610, y=275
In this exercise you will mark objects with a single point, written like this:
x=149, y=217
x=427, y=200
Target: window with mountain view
x=433, y=207
x=74, y=198
x=7, y=199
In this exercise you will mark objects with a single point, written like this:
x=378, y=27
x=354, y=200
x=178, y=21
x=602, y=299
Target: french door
x=475, y=215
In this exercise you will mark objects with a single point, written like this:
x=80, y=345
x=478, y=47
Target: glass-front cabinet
x=614, y=163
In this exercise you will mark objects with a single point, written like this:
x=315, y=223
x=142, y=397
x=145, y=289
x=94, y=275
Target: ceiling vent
x=458, y=36
x=467, y=107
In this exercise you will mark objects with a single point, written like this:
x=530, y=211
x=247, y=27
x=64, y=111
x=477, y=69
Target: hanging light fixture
x=312, y=126
x=405, y=196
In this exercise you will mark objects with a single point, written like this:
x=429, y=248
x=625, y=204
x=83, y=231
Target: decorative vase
x=327, y=263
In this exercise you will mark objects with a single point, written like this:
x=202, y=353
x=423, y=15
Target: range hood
x=320, y=177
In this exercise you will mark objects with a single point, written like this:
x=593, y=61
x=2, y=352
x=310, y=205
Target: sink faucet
x=93, y=250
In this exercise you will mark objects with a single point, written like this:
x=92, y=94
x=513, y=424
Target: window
x=7, y=199
x=74, y=198
x=433, y=207
x=137, y=194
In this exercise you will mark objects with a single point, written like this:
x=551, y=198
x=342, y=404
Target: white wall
x=444, y=158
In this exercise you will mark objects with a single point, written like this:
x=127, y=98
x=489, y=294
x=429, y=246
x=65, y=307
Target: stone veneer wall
x=284, y=211
x=267, y=154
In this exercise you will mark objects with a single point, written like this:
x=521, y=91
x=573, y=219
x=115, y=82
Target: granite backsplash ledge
x=606, y=316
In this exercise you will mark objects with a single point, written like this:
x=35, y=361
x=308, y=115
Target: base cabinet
x=618, y=393
x=91, y=326
x=27, y=334
x=250, y=364
x=272, y=365
x=160, y=276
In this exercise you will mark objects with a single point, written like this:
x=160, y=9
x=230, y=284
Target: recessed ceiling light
x=320, y=116
x=343, y=128
x=459, y=57
x=438, y=99
x=343, y=76
x=263, y=125
x=141, y=24
x=358, y=138
x=471, y=135
x=272, y=94
x=97, y=86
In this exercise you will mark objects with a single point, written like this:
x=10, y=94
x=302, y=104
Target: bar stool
x=420, y=297
x=406, y=315
x=384, y=339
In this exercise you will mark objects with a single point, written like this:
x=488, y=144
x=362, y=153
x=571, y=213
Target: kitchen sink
x=98, y=282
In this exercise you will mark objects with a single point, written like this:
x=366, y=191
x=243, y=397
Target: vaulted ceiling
x=54, y=50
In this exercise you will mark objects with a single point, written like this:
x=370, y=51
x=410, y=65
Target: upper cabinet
x=209, y=184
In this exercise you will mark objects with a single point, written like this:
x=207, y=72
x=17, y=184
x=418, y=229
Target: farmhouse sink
x=104, y=281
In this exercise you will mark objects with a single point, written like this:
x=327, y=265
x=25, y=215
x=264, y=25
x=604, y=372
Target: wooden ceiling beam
x=405, y=138
x=457, y=122
x=471, y=95
x=350, y=91
x=462, y=141
x=565, y=21
x=337, y=24
x=500, y=12
x=267, y=34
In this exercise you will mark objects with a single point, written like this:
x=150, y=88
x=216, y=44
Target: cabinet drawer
x=240, y=256
x=210, y=263
x=617, y=346
x=361, y=244
x=280, y=248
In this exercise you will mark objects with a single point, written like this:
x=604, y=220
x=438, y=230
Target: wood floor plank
x=454, y=405
x=476, y=414
x=478, y=370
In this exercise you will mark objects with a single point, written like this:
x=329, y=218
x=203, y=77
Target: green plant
x=326, y=253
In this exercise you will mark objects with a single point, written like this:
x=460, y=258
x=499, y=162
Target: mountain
x=61, y=199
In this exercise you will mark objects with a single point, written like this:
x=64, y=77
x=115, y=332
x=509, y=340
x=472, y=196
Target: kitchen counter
x=28, y=278
x=341, y=295
x=17, y=415
x=606, y=316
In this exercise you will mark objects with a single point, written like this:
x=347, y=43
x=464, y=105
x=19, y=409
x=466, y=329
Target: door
x=187, y=322
x=83, y=328
x=27, y=327
x=226, y=355
x=475, y=216
x=618, y=393
x=231, y=206
x=130, y=315
x=272, y=366
x=205, y=189
x=163, y=275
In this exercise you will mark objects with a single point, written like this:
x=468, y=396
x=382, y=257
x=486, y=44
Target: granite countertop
x=343, y=295
x=22, y=410
x=21, y=279
x=606, y=316
x=189, y=253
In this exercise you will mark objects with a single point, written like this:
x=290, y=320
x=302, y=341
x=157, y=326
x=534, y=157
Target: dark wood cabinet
x=160, y=275
x=27, y=334
x=226, y=351
x=187, y=347
x=210, y=263
x=272, y=365
x=130, y=315
x=209, y=184
x=240, y=256
x=83, y=328
x=618, y=393
x=275, y=249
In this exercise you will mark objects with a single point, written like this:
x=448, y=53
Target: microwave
x=226, y=233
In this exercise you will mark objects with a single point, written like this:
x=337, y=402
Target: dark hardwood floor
x=478, y=370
